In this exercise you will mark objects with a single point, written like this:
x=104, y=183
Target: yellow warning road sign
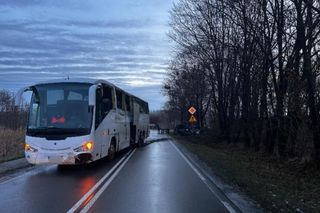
x=192, y=119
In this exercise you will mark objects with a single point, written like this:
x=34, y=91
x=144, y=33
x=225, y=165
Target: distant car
x=183, y=129
x=195, y=130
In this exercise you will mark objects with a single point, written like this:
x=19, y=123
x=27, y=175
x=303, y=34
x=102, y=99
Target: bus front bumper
x=50, y=158
x=57, y=158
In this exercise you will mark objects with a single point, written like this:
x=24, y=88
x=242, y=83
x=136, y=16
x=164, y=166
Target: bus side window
x=107, y=100
x=119, y=99
x=144, y=108
x=128, y=103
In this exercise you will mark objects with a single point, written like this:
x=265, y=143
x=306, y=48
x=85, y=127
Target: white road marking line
x=226, y=205
x=104, y=187
x=190, y=164
x=85, y=197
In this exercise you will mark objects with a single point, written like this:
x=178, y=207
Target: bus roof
x=86, y=80
x=74, y=80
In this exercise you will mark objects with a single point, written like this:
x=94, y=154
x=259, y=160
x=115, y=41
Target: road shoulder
x=235, y=196
x=12, y=166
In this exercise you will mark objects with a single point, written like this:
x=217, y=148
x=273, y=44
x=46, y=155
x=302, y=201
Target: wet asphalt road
x=153, y=178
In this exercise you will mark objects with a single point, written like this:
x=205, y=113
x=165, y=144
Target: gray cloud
x=129, y=51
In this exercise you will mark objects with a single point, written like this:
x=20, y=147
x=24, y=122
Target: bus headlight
x=29, y=148
x=87, y=146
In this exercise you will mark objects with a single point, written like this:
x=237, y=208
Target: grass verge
x=11, y=144
x=277, y=185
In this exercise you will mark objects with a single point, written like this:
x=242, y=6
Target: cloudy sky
x=123, y=41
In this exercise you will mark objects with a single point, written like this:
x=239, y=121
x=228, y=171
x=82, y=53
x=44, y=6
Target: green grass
x=11, y=144
x=277, y=186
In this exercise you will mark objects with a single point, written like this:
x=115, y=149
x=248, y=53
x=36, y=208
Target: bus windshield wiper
x=44, y=130
x=54, y=130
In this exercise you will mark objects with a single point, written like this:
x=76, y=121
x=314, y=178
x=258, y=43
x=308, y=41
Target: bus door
x=129, y=123
x=98, y=122
x=103, y=107
x=121, y=119
x=136, y=119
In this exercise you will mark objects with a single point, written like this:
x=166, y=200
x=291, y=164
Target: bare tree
x=256, y=63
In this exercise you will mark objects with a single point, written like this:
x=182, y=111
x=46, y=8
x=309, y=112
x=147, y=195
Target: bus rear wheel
x=141, y=141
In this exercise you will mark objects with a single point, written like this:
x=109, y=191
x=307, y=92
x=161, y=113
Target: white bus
x=76, y=121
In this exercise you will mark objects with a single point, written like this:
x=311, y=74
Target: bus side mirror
x=18, y=96
x=92, y=94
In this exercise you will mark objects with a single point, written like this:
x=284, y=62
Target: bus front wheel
x=111, y=151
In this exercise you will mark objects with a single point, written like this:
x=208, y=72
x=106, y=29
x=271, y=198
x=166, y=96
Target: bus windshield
x=60, y=108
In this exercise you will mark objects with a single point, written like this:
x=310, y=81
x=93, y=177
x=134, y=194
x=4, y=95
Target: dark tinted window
x=107, y=104
x=119, y=99
x=128, y=103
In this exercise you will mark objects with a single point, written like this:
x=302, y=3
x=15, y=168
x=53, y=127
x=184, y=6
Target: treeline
x=162, y=118
x=251, y=68
x=11, y=116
